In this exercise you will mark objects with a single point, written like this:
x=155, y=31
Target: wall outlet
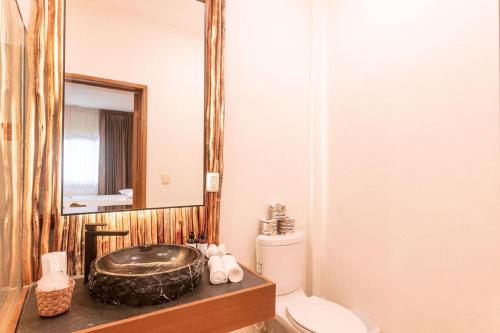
x=212, y=182
x=165, y=178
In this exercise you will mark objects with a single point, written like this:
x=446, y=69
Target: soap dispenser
x=202, y=244
x=191, y=241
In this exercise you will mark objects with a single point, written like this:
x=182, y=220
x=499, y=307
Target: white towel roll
x=222, y=250
x=53, y=281
x=217, y=272
x=232, y=269
x=54, y=262
x=212, y=250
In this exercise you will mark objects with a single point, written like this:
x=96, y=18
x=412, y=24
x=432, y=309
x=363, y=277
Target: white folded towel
x=212, y=250
x=222, y=250
x=54, y=262
x=232, y=269
x=53, y=281
x=217, y=272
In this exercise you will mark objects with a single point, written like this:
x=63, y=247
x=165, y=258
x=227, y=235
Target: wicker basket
x=53, y=303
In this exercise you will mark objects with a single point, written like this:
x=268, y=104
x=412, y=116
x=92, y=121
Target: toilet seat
x=318, y=315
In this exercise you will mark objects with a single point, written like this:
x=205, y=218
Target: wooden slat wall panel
x=12, y=48
x=42, y=138
x=185, y=220
x=214, y=108
x=159, y=219
x=43, y=135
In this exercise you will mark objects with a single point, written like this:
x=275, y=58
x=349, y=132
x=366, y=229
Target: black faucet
x=91, y=233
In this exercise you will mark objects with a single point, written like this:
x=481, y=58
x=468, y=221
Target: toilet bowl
x=298, y=313
x=281, y=258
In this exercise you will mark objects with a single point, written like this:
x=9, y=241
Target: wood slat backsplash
x=171, y=226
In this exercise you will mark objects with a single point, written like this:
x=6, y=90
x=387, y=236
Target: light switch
x=212, y=182
x=165, y=178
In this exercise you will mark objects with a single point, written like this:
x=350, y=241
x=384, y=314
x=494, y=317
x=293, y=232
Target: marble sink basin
x=146, y=275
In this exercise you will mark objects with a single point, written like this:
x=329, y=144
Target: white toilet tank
x=281, y=258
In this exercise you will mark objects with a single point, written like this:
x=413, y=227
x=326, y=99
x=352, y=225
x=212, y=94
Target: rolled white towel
x=232, y=269
x=212, y=250
x=54, y=262
x=53, y=281
x=217, y=272
x=222, y=250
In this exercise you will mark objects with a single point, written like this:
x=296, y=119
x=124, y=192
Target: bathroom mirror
x=133, y=132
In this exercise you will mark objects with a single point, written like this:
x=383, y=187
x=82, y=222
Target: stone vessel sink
x=146, y=275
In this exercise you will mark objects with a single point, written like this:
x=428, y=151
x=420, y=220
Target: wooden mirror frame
x=44, y=228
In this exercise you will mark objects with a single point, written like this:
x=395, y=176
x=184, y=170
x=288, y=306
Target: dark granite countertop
x=86, y=312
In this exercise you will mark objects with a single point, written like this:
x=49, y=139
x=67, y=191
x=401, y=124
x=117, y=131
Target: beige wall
x=105, y=41
x=413, y=234
x=266, y=154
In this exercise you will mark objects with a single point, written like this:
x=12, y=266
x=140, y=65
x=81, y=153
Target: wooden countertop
x=210, y=308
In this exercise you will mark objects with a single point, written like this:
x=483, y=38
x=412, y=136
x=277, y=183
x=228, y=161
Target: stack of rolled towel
x=214, y=250
x=222, y=267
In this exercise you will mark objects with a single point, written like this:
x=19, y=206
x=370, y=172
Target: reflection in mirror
x=12, y=83
x=133, y=105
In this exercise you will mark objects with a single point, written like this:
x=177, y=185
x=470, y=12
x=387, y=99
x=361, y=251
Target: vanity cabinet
x=210, y=308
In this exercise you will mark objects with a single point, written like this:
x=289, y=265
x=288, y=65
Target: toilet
x=281, y=258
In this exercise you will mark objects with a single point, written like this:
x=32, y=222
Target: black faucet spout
x=107, y=232
x=91, y=233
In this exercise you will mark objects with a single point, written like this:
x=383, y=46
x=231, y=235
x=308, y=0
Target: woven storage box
x=53, y=303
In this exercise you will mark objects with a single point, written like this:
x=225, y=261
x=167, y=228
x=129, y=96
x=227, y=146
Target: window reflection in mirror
x=133, y=109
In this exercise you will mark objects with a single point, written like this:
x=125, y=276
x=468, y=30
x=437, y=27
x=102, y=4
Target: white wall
x=414, y=225
x=105, y=41
x=266, y=154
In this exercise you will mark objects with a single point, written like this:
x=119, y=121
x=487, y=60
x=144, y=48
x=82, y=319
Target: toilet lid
x=321, y=316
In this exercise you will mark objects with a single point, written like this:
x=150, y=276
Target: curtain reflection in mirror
x=81, y=151
x=115, y=162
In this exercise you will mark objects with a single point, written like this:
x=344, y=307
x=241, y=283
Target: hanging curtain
x=115, y=169
x=81, y=151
